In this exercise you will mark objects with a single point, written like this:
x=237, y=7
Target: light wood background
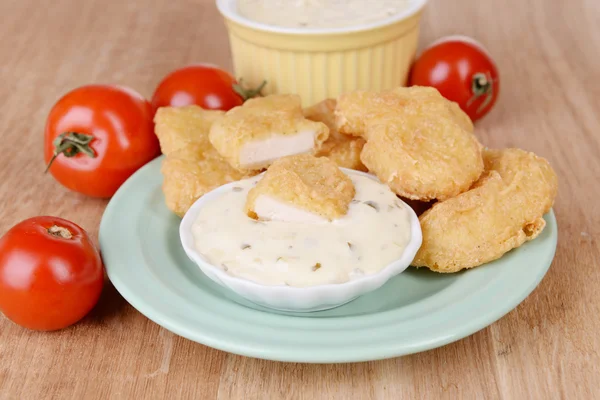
x=548, y=53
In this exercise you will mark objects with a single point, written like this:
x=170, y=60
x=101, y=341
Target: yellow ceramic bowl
x=322, y=63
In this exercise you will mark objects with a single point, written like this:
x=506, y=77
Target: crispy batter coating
x=355, y=110
x=344, y=150
x=191, y=172
x=313, y=184
x=418, y=142
x=345, y=153
x=503, y=210
x=263, y=129
x=176, y=127
x=323, y=112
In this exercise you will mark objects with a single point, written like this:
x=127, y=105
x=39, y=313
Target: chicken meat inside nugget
x=191, y=172
x=176, y=127
x=344, y=150
x=301, y=188
x=418, y=142
x=503, y=210
x=264, y=129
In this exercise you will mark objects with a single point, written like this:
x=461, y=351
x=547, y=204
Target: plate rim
x=356, y=355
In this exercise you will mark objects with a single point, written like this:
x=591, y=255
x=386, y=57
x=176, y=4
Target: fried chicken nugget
x=191, y=172
x=264, y=129
x=418, y=142
x=176, y=127
x=503, y=210
x=344, y=150
x=301, y=188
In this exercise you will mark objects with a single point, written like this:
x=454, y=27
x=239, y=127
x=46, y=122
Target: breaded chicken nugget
x=355, y=110
x=418, y=142
x=301, y=188
x=503, y=210
x=192, y=171
x=264, y=129
x=176, y=127
x=324, y=111
x=345, y=153
x=344, y=150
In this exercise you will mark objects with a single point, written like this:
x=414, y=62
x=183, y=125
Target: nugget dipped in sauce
x=301, y=188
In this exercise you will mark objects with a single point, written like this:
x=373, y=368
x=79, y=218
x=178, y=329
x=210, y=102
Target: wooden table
x=547, y=53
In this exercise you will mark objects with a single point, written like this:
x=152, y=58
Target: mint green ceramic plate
x=416, y=311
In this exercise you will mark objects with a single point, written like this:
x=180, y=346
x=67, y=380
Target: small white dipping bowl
x=298, y=299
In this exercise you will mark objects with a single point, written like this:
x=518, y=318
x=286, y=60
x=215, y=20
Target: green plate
x=415, y=311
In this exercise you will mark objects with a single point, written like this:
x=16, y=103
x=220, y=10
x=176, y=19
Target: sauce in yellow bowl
x=373, y=51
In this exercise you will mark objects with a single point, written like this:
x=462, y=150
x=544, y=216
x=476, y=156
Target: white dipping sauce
x=373, y=233
x=319, y=13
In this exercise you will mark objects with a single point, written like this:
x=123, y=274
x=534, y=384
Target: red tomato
x=462, y=70
x=204, y=85
x=51, y=274
x=100, y=135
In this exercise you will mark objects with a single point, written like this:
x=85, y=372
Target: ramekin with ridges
x=319, y=63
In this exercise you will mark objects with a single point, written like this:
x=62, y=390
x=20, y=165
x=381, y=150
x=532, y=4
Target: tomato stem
x=70, y=144
x=482, y=85
x=248, y=93
x=60, y=231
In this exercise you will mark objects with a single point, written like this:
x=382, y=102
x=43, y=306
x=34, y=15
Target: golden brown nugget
x=323, y=111
x=191, y=172
x=345, y=153
x=177, y=127
x=418, y=142
x=252, y=136
x=502, y=211
x=344, y=150
x=301, y=188
x=355, y=110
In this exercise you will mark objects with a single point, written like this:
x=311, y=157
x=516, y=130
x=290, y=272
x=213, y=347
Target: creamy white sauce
x=373, y=233
x=319, y=13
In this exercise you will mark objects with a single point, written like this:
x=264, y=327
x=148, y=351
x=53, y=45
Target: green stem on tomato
x=70, y=144
x=481, y=85
x=246, y=94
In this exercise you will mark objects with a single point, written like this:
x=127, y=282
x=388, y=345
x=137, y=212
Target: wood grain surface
x=548, y=56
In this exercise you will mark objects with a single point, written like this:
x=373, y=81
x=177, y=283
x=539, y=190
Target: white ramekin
x=286, y=298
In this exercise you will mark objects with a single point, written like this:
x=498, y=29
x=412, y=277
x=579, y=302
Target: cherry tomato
x=462, y=70
x=204, y=85
x=97, y=136
x=51, y=274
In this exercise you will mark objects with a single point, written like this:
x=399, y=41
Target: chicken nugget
x=191, y=172
x=502, y=211
x=344, y=150
x=177, y=127
x=323, y=112
x=252, y=136
x=418, y=142
x=355, y=110
x=301, y=188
